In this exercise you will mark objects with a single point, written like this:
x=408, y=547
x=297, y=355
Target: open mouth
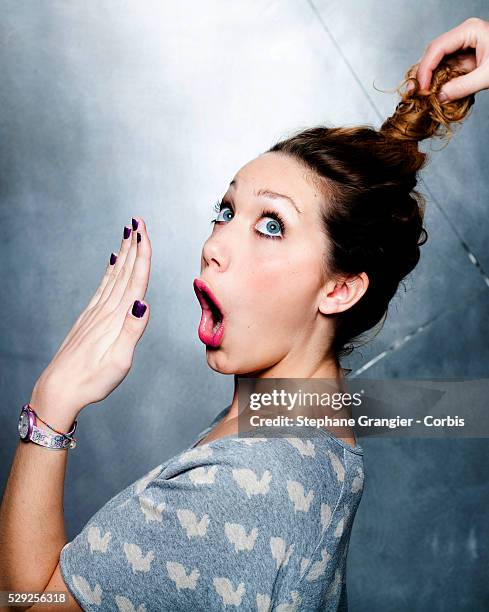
x=211, y=327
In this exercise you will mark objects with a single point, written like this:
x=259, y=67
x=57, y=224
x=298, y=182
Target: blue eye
x=274, y=225
x=226, y=217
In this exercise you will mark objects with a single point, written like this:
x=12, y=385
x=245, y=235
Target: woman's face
x=267, y=279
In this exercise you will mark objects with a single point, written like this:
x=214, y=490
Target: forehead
x=281, y=173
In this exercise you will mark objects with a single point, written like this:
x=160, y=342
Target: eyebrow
x=270, y=194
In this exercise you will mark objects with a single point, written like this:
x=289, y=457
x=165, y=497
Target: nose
x=214, y=254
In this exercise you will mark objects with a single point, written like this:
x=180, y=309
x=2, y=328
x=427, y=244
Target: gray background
x=110, y=109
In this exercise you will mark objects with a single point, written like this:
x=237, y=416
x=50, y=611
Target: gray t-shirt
x=240, y=523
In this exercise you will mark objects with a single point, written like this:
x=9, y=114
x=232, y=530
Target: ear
x=339, y=295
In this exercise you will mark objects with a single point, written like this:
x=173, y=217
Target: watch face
x=24, y=424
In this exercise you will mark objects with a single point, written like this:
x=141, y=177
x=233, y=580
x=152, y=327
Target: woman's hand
x=468, y=46
x=97, y=353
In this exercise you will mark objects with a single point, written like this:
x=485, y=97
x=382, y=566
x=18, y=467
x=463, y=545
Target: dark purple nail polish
x=139, y=237
x=127, y=231
x=134, y=224
x=138, y=309
x=113, y=259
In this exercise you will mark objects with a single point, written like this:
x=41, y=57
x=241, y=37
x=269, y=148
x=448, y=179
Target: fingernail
x=139, y=237
x=127, y=231
x=134, y=224
x=138, y=309
x=113, y=259
x=442, y=97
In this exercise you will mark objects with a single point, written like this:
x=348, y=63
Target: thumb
x=135, y=322
x=464, y=85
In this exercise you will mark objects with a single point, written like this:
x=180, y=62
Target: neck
x=329, y=369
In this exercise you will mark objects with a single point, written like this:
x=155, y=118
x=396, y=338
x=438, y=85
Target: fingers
x=110, y=267
x=124, y=262
x=447, y=43
x=138, y=283
x=122, y=267
x=467, y=34
x=133, y=279
x=412, y=74
x=121, y=353
x=467, y=84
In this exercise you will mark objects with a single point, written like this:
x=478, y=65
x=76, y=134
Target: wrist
x=53, y=414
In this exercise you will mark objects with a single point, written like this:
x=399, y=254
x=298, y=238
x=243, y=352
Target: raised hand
x=98, y=352
x=467, y=47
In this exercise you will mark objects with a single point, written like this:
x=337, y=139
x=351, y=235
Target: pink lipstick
x=211, y=327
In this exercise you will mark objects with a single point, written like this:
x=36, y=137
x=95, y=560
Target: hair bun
x=420, y=115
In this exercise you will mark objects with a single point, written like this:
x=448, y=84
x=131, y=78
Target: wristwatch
x=29, y=432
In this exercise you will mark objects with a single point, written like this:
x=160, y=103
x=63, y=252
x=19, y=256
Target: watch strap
x=52, y=441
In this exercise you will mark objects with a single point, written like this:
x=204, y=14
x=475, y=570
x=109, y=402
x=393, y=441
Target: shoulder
x=317, y=458
x=304, y=476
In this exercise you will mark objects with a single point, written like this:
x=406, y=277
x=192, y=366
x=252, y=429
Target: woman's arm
x=32, y=531
x=93, y=360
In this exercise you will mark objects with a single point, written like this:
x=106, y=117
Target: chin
x=218, y=361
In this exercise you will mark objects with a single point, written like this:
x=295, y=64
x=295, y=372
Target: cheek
x=281, y=291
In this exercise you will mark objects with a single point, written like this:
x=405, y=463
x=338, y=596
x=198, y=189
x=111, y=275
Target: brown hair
x=372, y=215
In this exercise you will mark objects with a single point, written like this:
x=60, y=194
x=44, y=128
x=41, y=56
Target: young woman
x=310, y=244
